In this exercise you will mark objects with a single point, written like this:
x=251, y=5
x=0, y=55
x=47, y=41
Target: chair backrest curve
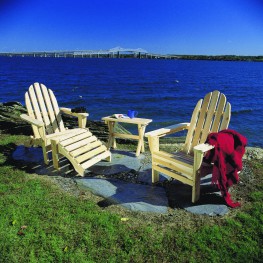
x=42, y=105
x=211, y=114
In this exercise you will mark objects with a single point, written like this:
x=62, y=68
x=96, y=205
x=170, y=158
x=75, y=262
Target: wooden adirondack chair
x=80, y=147
x=211, y=114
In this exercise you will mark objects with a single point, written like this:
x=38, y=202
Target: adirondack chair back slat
x=208, y=122
x=226, y=117
x=31, y=114
x=42, y=105
x=59, y=122
x=219, y=113
x=191, y=130
x=50, y=109
x=43, y=109
x=211, y=114
x=204, y=109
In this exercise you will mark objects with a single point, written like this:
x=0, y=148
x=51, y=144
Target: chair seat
x=179, y=162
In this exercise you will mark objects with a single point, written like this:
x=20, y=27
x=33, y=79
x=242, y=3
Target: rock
x=253, y=153
x=135, y=197
x=12, y=103
x=10, y=121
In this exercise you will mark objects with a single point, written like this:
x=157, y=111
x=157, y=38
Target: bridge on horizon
x=117, y=52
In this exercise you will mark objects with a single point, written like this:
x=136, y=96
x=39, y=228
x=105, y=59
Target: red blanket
x=227, y=158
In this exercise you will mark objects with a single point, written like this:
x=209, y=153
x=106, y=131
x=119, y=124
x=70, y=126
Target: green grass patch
x=39, y=222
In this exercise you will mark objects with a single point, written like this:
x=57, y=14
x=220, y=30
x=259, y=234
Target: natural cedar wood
x=140, y=122
x=210, y=114
x=79, y=145
x=85, y=148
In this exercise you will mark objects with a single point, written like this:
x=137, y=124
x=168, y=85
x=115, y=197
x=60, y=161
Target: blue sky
x=209, y=27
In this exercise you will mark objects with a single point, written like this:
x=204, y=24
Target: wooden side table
x=142, y=123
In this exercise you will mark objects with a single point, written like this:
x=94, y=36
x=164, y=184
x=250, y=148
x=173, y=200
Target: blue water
x=163, y=90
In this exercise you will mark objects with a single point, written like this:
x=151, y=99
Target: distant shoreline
x=222, y=58
x=134, y=56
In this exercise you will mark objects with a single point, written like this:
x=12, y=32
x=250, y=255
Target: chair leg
x=108, y=159
x=45, y=155
x=196, y=188
x=54, y=147
x=155, y=176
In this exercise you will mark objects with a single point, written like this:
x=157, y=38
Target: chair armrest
x=32, y=120
x=168, y=130
x=76, y=114
x=82, y=117
x=203, y=148
x=199, y=151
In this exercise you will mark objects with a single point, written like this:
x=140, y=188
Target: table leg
x=141, y=130
x=112, y=141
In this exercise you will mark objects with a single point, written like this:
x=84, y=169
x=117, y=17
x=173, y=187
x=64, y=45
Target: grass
x=39, y=222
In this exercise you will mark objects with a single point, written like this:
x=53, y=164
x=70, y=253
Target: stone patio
x=126, y=181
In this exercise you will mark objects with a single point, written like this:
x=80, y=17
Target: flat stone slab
x=136, y=197
x=124, y=162
x=141, y=196
x=210, y=203
x=211, y=210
